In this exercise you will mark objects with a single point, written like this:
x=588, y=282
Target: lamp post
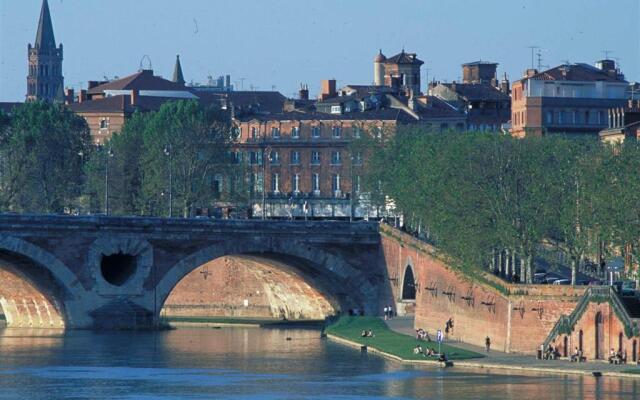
x=266, y=150
x=108, y=154
x=352, y=188
x=167, y=152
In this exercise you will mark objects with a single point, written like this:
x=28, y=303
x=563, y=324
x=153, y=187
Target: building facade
x=399, y=71
x=45, y=81
x=484, y=100
x=624, y=123
x=569, y=99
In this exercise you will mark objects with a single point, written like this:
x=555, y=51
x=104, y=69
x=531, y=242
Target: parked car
x=550, y=278
x=562, y=281
x=539, y=278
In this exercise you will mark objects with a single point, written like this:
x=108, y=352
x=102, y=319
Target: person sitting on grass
x=363, y=334
x=370, y=333
x=443, y=357
x=430, y=352
x=417, y=350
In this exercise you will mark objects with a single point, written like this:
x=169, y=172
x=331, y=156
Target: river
x=251, y=363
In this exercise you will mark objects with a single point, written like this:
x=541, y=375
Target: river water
x=251, y=363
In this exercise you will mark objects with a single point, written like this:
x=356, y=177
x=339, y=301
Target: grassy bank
x=242, y=321
x=391, y=342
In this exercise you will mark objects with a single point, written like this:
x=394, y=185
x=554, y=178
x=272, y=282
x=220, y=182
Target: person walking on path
x=487, y=343
x=386, y=313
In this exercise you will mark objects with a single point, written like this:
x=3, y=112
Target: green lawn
x=635, y=371
x=386, y=340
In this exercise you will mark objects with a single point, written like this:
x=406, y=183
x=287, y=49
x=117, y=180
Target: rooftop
x=142, y=80
x=477, y=91
x=120, y=104
x=576, y=72
x=404, y=58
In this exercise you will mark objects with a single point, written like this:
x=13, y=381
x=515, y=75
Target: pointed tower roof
x=45, y=38
x=178, y=77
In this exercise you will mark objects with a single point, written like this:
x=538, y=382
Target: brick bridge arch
x=38, y=289
x=339, y=280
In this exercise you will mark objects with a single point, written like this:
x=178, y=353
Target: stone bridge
x=117, y=272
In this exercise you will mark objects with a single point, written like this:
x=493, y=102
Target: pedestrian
x=386, y=313
x=390, y=309
x=487, y=343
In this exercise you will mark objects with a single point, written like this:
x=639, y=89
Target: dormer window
x=104, y=123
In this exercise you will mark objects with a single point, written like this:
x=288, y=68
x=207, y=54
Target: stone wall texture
x=246, y=287
x=517, y=318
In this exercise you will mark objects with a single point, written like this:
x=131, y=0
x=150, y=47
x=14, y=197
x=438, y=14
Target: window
x=315, y=132
x=295, y=183
x=357, y=132
x=357, y=158
x=337, y=132
x=275, y=133
x=336, y=109
x=335, y=184
x=600, y=117
x=315, y=182
x=257, y=182
x=104, y=123
x=275, y=182
x=336, y=159
x=217, y=184
x=274, y=157
x=295, y=157
x=254, y=133
x=549, y=117
x=356, y=184
x=315, y=157
x=295, y=132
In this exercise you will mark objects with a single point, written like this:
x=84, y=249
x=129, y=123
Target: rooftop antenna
x=242, y=83
x=606, y=53
x=540, y=64
x=533, y=54
x=566, y=62
x=141, y=66
x=273, y=88
x=427, y=76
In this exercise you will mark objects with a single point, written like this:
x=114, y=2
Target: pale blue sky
x=286, y=42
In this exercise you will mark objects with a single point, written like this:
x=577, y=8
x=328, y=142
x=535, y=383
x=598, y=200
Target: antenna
x=242, y=83
x=141, y=66
x=540, y=64
x=533, y=53
x=273, y=88
x=606, y=53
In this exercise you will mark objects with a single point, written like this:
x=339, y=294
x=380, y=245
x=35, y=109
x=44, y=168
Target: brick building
x=484, y=100
x=399, y=71
x=303, y=155
x=570, y=98
x=45, y=80
x=624, y=122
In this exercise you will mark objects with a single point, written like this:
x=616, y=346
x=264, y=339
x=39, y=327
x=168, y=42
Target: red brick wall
x=516, y=322
x=221, y=287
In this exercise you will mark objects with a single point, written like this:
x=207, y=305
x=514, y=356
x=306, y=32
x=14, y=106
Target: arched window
x=408, y=285
x=580, y=335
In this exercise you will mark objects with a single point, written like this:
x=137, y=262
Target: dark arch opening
x=408, y=285
x=565, y=351
x=118, y=268
x=30, y=296
x=264, y=285
x=580, y=345
x=599, y=332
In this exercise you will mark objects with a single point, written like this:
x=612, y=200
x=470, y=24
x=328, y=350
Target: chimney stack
x=328, y=89
x=82, y=95
x=530, y=72
x=134, y=97
x=304, y=92
x=69, y=96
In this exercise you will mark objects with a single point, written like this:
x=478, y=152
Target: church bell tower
x=45, y=81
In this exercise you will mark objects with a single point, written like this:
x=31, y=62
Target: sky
x=265, y=44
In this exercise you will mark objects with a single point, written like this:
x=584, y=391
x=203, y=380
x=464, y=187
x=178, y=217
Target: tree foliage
x=41, y=154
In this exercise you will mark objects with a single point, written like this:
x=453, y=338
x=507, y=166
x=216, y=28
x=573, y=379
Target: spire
x=45, y=38
x=177, y=72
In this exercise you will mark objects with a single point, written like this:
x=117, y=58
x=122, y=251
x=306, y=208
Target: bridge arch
x=344, y=286
x=33, y=293
x=408, y=283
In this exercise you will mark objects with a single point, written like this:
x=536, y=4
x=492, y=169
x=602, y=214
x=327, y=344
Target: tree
x=190, y=144
x=41, y=155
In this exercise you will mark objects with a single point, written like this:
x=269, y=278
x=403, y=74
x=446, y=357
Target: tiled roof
x=389, y=114
x=265, y=101
x=7, y=107
x=477, y=92
x=479, y=62
x=143, y=80
x=575, y=72
x=404, y=58
x=120, y=104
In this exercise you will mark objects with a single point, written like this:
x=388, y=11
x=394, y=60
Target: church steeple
x=45, y=81
x=45, y=38
x=178, y=77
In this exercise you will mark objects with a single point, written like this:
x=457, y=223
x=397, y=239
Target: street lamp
x=265, y=157
x=108, y=154
x=167, y=152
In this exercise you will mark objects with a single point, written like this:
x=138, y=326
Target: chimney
x=227, y=81
x=328, y=89
x=68, y=96
x=134, y=97
x=82, y=95
x=530, y=72
x=304, y=92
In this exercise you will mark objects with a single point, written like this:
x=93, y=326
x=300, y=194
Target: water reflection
x=251, y=363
